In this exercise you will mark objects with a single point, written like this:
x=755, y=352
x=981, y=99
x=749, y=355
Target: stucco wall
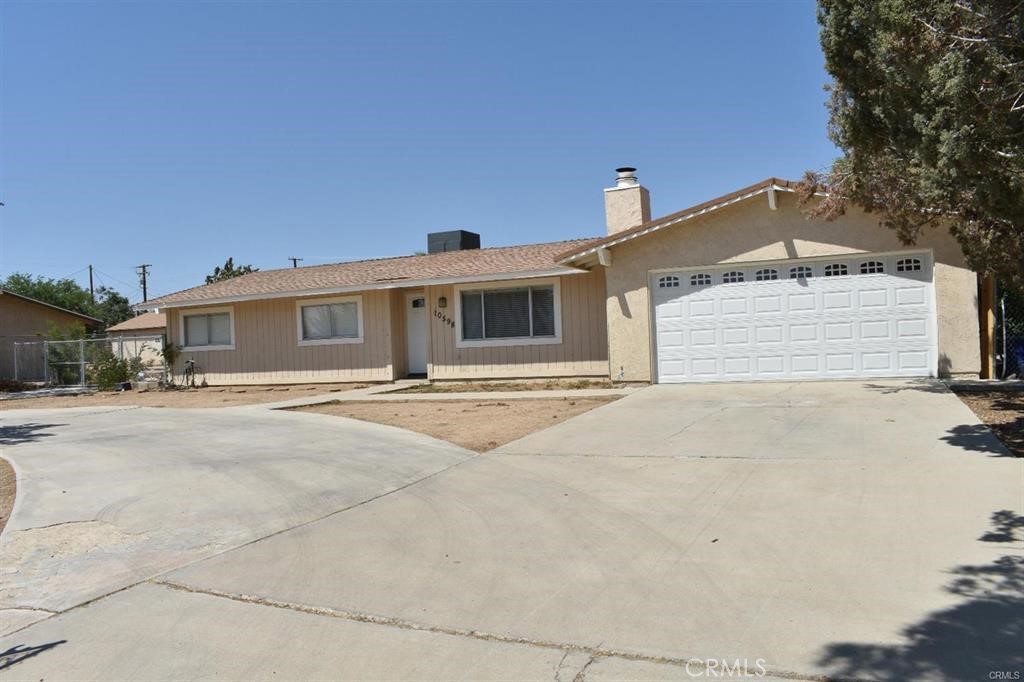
x=583, y=350
x=267, y=350
x=750, y=231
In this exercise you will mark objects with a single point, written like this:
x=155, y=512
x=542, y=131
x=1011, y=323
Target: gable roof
x=143, y=321
x=574, y=254
x=474, y=265
x=87, y=318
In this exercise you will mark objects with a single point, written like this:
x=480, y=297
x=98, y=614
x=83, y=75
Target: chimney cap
x=625, y=169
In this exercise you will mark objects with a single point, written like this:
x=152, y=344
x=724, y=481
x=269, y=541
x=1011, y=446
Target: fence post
x=46, y=363
x=120, y=348
x=15, y=347
x=81, y=362
x=987, y=320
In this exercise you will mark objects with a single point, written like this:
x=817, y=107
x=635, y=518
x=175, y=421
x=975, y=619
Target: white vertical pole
x=81, y=362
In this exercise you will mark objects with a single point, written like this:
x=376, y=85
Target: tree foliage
x=927, y=104
x=228, y=271
x=110, y=306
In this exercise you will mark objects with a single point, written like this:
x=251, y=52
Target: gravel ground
x=476, y=425
x=7, y=489
x=494, y=386
x=1003, y=412
x=214, y=396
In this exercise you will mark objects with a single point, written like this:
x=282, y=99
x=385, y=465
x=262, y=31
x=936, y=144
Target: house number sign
x=444, y=318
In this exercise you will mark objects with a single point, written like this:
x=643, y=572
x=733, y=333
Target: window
x=521, y=313
x=732, y=277
x=334, y=320
x=908, y=265
x=800, y=272
x=871, y=267
x=836, y=270
x=766, y=275
x=210, y=330
x=668, y=281
x=701, y=280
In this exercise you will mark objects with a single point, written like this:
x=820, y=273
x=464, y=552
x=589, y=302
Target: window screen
x=527, y=312
x=208, y=330
x=330, y=321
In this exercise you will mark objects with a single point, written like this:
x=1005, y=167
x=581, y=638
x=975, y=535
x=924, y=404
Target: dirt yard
x=476, y=425
x=214, y=396
x=1003, y=412
x=7, y=489
x=495, y=386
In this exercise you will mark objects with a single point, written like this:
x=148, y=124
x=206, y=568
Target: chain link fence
x=1009, y=346
x=77, y=361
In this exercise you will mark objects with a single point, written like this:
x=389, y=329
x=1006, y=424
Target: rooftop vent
x=453, y=240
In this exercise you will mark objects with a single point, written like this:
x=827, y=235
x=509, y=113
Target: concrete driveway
x=859, y=530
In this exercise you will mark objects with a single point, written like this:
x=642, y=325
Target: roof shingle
x=499, y=262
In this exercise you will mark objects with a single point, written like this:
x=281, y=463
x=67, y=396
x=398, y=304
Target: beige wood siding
x=582, y=352
x=25, y=321
x=267, y=350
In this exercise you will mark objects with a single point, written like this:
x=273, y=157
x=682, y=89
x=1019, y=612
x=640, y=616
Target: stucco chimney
x=628, y=203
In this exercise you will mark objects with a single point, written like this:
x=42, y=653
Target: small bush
x=108, y=372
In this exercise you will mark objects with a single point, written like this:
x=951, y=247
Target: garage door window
x=908, y=265
x=732, y=277
x=766, y=275
x=872, y=267
x=700, y=280
x=667, y=282
x=836, y=270
x=800, y=272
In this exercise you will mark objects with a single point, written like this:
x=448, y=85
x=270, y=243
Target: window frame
x=668, y=282
x=839, y=269
x=306, y=302
x=193, y=312
x=556, y=293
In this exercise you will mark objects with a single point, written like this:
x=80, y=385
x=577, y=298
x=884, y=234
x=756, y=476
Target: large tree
x=228, y=271
x=927, y=104
x=110, y=306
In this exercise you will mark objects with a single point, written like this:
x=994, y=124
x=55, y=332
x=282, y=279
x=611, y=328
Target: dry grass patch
x=1003, y=412
x=496, y=386
x=475, y=425
x=213, y=396
x=7, y=490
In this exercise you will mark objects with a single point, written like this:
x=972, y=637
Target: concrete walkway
x=859, y=530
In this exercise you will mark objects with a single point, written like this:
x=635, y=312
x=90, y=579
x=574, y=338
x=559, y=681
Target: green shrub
x=109, y=371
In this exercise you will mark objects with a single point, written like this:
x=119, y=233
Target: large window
x=207, y=330
x=330, y=321
x=522, y=314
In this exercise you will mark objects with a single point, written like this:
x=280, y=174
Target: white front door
x=416, y=332
x=863, y=315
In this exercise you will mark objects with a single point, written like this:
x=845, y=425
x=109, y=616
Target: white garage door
x=869, y=315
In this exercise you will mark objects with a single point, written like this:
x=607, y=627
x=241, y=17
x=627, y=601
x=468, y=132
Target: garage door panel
x=850, y=325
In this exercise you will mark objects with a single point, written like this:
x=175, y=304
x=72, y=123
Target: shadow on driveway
x=980, y=635
x=25, y=433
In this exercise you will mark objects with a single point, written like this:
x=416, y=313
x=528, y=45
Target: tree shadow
x=920, y=385
x=25, y=433
x=976, y=438
x=982, y=634
x=17, y=654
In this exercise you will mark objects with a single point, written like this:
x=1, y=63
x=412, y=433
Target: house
x=140, y=336
x=740, y=287
x=24, y=319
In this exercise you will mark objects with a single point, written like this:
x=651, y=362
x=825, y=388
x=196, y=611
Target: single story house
x=24, y=320
x=742, y=287
x=140, y=336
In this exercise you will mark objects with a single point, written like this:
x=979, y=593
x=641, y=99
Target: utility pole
x=143, y=270
x=295, y=261
x=92, y=291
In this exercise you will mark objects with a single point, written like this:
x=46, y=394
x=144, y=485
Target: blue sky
x=179, y=134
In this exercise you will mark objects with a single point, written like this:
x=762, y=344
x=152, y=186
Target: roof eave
x=770, y=185
x=328, y=291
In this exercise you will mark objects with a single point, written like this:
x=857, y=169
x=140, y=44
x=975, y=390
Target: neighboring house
x=140, y=336
x=741, y=287
x=24, y=319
